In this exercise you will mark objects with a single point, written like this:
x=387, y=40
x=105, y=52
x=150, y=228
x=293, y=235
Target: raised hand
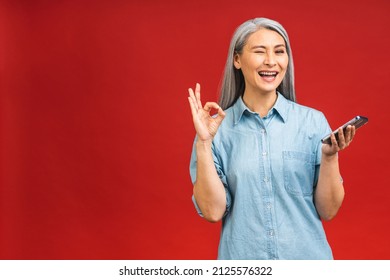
x=206, y=126
x=345, y=140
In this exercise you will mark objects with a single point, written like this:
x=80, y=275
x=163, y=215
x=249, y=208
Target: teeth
x=267, y=73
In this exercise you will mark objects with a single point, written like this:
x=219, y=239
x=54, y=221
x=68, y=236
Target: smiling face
x=263, y=62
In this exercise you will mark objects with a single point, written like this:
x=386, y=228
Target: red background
x=96, y=131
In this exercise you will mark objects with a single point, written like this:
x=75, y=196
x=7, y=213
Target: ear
x=237, y=61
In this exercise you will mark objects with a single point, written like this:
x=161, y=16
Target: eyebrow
x=263, y=47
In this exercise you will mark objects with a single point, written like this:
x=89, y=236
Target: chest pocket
x=298, y=172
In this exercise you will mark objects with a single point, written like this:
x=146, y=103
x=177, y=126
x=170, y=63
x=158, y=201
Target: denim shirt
x=269, y=167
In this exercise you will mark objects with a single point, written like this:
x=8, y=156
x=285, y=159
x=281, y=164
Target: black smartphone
x=357, y=121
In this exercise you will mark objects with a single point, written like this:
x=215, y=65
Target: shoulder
x=226, y=129
x=293, y=111
x=305, y=112
x=306, y=118
x=229, y=116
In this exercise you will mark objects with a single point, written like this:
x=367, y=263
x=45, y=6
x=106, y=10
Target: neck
x=260, y=103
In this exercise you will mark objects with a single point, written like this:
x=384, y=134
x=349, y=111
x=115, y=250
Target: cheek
x=249, y=66
x=284, y=63
x=253, y=61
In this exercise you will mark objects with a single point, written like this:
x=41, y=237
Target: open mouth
x=268, y=74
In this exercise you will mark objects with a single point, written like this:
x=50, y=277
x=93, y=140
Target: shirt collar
x=280, y=107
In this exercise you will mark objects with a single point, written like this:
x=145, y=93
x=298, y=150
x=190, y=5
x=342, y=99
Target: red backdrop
x=96, y=132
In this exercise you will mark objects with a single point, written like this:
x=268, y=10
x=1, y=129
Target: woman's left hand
x=345, y=140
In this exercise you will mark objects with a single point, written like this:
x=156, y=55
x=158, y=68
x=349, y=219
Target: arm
x=329, y=193
x=209, y=191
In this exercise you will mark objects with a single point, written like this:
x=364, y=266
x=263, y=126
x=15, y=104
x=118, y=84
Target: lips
x=268, y=76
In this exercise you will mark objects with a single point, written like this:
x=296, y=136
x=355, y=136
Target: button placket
x=268, y=194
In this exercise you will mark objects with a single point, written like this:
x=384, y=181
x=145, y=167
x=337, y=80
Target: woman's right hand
x=206, y=126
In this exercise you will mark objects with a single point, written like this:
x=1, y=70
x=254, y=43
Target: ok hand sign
x=206, y=126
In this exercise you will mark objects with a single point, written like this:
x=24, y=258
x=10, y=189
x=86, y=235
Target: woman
x=259, y=164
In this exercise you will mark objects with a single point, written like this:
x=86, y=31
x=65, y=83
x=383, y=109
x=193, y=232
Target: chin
x=267, y=90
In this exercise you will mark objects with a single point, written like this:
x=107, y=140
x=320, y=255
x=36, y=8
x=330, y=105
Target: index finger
x=197, y=95
x=209, y=105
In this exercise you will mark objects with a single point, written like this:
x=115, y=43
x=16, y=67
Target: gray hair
x=233, y=83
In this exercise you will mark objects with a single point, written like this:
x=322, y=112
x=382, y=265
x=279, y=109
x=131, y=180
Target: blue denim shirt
x=269, y=167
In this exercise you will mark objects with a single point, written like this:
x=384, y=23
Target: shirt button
x=262, y=131
x=264, y=153
x=266, y=179
x=271, y=232
x=268, y=206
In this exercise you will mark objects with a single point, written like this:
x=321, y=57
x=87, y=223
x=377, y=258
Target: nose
x=270, y=59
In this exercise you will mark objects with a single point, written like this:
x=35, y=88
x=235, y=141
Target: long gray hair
x=233, y=83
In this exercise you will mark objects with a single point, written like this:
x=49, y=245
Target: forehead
x=265, y=37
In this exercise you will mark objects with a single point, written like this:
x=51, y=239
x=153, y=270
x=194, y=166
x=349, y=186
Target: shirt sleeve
x=221, y=174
